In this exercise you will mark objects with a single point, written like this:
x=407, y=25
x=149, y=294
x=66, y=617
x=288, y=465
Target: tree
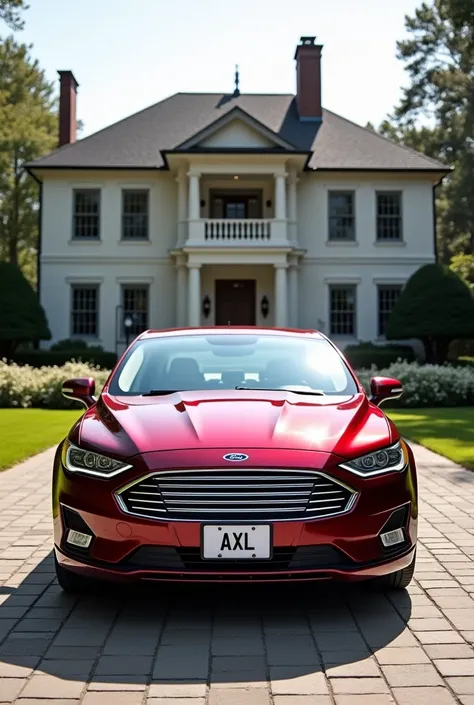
x=439, y=58
x=464, y=266
x=10, y=12
x=22, y=318
x=436, y=307
x=28, y=129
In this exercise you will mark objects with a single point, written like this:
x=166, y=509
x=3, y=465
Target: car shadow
x=170, y=633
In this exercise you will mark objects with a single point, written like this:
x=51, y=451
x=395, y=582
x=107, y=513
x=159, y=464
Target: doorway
x=236, y=205
x=235, y=302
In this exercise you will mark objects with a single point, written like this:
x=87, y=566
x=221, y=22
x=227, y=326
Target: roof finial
x=237, y=79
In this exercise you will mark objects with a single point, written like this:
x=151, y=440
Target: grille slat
x=249, y=495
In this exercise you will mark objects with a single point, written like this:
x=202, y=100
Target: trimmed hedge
x=366, y=355
x=424, y=386
x=52, y=358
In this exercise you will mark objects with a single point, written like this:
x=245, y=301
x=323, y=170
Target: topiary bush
x=367, y=355
x=436, y=307
x=22, y=318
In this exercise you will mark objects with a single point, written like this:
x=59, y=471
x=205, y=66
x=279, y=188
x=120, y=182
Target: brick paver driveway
x=239, y=646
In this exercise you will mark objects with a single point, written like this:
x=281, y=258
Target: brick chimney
x=308, y=79
x=67, y=108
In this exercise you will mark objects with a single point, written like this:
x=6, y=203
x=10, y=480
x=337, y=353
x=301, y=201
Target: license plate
x=236, y=541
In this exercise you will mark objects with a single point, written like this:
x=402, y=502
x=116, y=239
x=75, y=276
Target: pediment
x=236, y=135
x=236, y=129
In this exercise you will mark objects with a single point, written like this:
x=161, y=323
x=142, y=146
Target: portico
x=273, y=277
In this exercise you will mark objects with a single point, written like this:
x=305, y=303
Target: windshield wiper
x=160, y=392
x=313, y=392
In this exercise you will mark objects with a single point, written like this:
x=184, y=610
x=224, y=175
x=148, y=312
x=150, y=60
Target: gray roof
x=137, y=141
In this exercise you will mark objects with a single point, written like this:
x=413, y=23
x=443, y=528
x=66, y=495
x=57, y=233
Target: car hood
x=234, y=421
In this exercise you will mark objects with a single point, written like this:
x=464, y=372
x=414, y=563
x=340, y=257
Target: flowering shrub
x=24, y=386
x=424, y=385
x=428, y=385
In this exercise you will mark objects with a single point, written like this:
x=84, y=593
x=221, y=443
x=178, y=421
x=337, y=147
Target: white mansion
x=209, y=209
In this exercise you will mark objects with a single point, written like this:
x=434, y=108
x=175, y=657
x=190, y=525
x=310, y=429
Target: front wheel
x=73, y=582
x=400, y=579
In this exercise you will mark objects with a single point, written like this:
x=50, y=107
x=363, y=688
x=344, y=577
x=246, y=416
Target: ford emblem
x=235, y=457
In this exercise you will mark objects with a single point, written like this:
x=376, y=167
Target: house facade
x=215, y=209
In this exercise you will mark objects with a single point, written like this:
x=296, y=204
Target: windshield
x=208, y=362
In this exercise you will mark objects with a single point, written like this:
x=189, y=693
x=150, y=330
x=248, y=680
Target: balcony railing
x=237, y=230
x=256, y=232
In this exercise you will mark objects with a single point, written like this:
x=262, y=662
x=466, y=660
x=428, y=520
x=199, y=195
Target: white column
x=194, y=295
x=181, y=281
x=281, y=296
x=280, y=197
x=193, y=204
x=292, y=212
x=293, y=295
x=182, y=206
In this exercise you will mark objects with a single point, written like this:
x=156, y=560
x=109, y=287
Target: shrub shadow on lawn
x=163, y=633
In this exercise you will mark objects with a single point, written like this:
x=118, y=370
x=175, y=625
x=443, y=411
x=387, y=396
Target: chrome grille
x=236, y=495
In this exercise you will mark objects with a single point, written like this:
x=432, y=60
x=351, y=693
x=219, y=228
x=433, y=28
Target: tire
x=73, y=582
x=399, y=580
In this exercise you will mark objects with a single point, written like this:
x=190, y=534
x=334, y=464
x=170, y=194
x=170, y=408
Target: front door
x=235, y=302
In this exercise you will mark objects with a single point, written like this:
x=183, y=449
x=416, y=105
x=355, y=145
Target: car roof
x=231, y=330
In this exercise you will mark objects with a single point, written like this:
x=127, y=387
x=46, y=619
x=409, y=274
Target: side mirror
x=383, y=388
x=81, y=389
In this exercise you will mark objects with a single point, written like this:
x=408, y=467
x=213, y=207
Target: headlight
x=88, y=463
x=392, y=459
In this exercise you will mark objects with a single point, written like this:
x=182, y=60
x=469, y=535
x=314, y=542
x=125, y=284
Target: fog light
x=391, y=538
x=77, y=538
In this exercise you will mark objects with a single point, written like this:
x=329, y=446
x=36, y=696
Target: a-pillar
x=293, y=294
x=281, y=296
x=194, y=295
x=194, y=199
x=181, y=290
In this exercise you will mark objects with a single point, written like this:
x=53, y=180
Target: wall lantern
x=206, y=306
x=268, y=204
x=265, y=306
x=203, y=204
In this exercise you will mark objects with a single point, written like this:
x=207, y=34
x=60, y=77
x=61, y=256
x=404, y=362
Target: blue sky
x=128, y=55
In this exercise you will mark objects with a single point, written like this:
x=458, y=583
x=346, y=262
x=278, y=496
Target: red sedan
x=234, y=454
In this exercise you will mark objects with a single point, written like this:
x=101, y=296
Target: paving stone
x=356, y=669
x=359, y=685
x=10, y=689
x=398, y=655
x=124, y=665
x=284, y=681
x=462, y=686
x=423, y=696
x=455, y=667
x=304, y=700
x=175, y=701
x=411, y=675
x=45, y=686
x=177, y=690
x=235, y=696
x=366, y=699
x=115, y=698
x=118, y=683
x=449, y=651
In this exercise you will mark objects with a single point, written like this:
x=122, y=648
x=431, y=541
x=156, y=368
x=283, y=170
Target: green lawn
x=24, y=432
x=449, y=432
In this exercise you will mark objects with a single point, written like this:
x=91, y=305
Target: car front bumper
x=346, y=547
